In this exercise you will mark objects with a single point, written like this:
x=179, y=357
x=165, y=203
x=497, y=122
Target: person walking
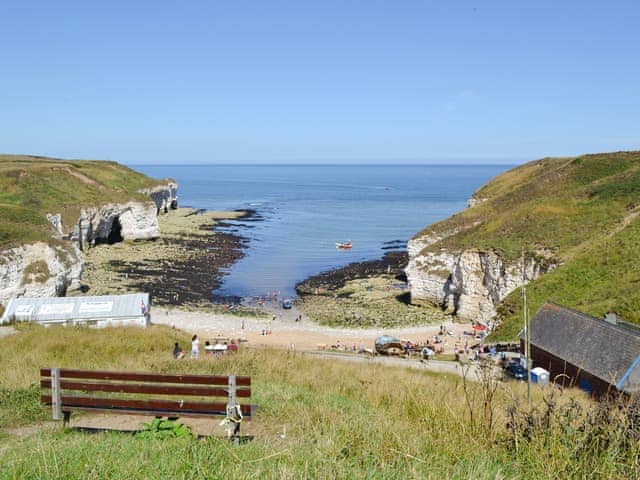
x=195, y=346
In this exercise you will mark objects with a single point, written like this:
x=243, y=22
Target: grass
x=551, y=203
x=31, y=187
x=342, y=420
x=601, y=279
x=577, y=213
x=36, y=272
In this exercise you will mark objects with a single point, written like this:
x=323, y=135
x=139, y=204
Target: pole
x=525, y=318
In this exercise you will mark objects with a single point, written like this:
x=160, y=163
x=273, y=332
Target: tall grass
x=316, y=419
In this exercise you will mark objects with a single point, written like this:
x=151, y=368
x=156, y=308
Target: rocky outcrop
x=55, y=219
x=475, y=200
x=115, y=222
x=164, y=196
x=469, y=283
x=39, y=270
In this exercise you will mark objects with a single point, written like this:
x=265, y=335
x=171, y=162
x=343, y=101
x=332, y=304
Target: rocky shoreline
x=187, y=263
x=392, y=264
x=368, y=294
x=180, y=268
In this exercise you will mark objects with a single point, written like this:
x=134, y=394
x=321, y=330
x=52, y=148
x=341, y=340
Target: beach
x=346, y=308
x=287, y=333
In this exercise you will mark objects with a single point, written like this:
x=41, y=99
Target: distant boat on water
x=344, y=246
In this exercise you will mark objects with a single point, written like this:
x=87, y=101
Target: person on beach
x=195, y=346
x=178, y=353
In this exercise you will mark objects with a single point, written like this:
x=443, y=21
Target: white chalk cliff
x=468, y=283
x=41, y=269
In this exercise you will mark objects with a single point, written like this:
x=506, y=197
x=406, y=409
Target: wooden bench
x=130, y=393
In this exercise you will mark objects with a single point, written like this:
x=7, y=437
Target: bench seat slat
x=241, y=381
x=146, y=388
x=177, y=407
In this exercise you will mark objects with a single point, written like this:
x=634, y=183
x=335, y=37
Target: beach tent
x=99, y=311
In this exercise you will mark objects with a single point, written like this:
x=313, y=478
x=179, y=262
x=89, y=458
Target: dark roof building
x=599, y=355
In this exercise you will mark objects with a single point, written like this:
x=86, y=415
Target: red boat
x=344, y=246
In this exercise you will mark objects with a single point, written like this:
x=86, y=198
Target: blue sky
x=322, y=81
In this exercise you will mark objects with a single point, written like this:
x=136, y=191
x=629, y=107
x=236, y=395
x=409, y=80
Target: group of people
x=178, y=353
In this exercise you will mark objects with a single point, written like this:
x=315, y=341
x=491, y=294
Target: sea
x=302, y=211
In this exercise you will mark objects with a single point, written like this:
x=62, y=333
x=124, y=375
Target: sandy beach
x=287, y=333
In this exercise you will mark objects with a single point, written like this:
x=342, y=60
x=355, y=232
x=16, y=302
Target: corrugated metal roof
x=52, y=309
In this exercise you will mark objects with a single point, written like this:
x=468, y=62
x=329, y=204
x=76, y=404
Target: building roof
x=61, y=309
x=605, y=350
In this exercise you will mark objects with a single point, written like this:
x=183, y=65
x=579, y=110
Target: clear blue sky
x=301, y=81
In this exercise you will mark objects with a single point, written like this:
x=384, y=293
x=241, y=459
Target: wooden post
x=231, y=411
x=56, y=400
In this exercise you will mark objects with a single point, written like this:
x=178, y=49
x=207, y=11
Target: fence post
x=56, y=395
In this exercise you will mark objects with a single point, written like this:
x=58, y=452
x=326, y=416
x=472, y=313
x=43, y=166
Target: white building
x=103, y=311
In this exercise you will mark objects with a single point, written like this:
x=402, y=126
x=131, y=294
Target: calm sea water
x=305, y=210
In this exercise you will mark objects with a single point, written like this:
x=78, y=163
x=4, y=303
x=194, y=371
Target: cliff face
x=115, y=222
x=575, y=216
x=468, y=283
x=164, y=196
x=40, y=269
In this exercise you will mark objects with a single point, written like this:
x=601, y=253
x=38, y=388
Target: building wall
x=139, y=321
x=558, y=368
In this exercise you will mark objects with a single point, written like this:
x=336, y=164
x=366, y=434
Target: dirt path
x=437, y=366
x=6, y=331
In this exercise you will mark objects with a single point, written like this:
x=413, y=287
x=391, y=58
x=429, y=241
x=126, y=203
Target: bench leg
x=236, y=434
x=65, y=419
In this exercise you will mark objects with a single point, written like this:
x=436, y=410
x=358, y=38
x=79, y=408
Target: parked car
x=516, y=371
x=287, y=303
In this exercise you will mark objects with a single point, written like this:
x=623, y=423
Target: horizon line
x=281, y=164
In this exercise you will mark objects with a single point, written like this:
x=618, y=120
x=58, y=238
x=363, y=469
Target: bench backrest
x=126, y=392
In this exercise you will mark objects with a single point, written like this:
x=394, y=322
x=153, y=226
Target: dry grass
x=316, y=419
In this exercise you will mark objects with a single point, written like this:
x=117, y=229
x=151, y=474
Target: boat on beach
x=344, y=246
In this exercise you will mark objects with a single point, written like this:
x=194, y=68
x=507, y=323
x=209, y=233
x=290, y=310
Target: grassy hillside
x=31, y=187
x=581, y=213
x=342, y=420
